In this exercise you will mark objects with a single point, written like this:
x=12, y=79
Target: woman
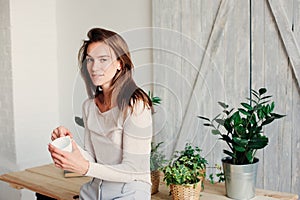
x=118, y=124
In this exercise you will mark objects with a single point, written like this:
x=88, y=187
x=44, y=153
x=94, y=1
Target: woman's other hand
x=60, y=131
x=71, y=161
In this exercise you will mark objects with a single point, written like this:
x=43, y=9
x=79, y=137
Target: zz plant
x=242, y=128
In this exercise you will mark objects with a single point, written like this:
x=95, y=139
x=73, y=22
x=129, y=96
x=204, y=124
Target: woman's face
x=102, y=64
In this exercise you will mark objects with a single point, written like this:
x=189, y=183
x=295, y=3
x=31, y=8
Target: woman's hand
x=60, y=132
x=71, y=161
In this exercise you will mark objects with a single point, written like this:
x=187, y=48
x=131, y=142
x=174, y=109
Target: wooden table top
x=47, y=180
x=217, y=192
x=50, y=181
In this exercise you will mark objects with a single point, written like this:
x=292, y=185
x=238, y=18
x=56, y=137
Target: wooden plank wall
x=201, y=56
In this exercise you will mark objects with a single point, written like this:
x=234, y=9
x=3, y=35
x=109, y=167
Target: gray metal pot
x=240, y=180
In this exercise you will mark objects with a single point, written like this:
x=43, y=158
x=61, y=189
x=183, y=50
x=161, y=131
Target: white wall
x=7, y=138
x=34, y=75
x=34, y=69
x=43, y=38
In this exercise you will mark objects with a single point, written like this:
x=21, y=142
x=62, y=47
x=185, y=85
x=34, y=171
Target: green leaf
x=252, y=100
x=79, y=121
x=236, y=118
x=249, y=156
x=266, y=97
x=240, y=141
x=206, y=124
x=260, y=114
x=247, y=106
x=277, y=116
x=272, y=106
x=268, y=109
x=226, y=138
x=265, y=110
x=220, y=121
x=267, y=121
x=229, y=153
x=253, y=119
x=215, y=132
x=223, y=105
x=262, y=91
x=240, y=129
x=258, y=143
x=201, y=117
x=244, y=112
x=228, y=112
x=239, y=149
x=227, y=125
x=255, y=94
x=156, y=100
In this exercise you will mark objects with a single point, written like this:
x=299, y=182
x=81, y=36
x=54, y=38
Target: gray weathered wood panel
x=201, y=55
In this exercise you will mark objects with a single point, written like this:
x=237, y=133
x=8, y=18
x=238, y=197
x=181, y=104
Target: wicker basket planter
x=186, y=192
x=155, y=178
x=183, y=175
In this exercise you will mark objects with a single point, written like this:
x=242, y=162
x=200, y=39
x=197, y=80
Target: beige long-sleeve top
x=117, y=146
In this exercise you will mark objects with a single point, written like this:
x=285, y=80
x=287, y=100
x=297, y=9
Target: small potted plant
x=157, y=160
x=183, y=173
x=242, y=130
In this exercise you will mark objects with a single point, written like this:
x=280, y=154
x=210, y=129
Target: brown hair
x=123, y=88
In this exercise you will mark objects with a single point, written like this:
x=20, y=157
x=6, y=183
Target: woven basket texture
x=155, y=178
x=185, y=192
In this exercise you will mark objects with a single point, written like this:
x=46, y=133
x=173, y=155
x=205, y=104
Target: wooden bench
x=50, y=181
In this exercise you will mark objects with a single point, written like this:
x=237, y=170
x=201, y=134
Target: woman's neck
x=103, y=102
x=106, y=95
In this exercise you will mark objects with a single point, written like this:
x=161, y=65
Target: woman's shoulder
x=87, y=103
x=140, y=110
x=140, y=97
x=139, y=106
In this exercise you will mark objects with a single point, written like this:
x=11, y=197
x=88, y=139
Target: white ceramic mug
x=63, y=143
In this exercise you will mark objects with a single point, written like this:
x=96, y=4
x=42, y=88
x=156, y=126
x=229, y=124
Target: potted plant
x=242, y=130
x=157, y=159
x=183, y=173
